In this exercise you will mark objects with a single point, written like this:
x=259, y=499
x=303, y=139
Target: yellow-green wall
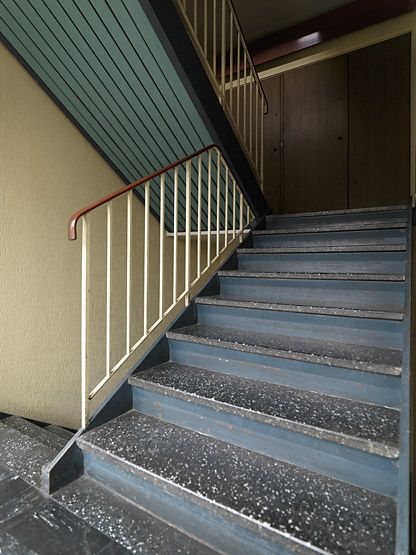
x=47, y=171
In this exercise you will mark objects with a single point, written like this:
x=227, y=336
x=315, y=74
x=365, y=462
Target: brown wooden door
x=379, y=92
x=272, y=140
x=315, y=136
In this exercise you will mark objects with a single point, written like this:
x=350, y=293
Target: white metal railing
x=217, y=35
x=201, y=212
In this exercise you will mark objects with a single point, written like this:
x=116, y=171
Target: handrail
x=198, y=198
x=243, y=40
x=73, y=220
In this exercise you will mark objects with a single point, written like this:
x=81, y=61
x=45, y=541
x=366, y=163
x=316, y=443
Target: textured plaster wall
x=47, y=171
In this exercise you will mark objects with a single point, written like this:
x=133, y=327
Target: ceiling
x=264, y=17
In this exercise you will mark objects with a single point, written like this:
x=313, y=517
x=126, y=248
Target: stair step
x=257, y=504
x=63, y=433
x=358, y=425
x=266, y=238
x=357, y=357
x=223, y=300
x=24, y=454
x=400, y=208
x=313, y=275
x=282, y=228
x=43, y=435
x=323, y=249
x=370, y=262
x=123, y=522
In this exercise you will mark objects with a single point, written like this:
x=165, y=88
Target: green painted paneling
x=105, y=64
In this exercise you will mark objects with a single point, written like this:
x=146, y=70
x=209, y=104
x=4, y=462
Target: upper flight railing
x=135, y=270
x=217, y=35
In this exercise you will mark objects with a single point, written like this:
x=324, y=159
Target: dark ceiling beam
x=328, y=26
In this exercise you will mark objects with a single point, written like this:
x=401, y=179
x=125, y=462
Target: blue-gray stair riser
x=325, y=457
x=346, y=262
x=218, y=528
x=351, y=384
x=384, y=217
x=381, y=333
x=336, y=239
x=338, y=293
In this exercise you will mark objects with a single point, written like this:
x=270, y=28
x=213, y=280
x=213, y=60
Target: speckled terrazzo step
x=23, y=454
x=358, y=357
x=124, y=522
x=248, y=493
x=43, y=435
x=323, y=249
x=363, y=426
x=312, y=275
x=223, y=300
x=63, y=433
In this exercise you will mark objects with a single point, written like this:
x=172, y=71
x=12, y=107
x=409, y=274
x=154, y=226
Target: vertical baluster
x=209, y=208
x=238, y=77
x=196, y=18
x=226, y=208
x=108, y=293
x=231, y=62
x=234, y=214
x=199, y=216
x=256, y=94
x=188, y=231
x=262, y=142
x=128, y=269
x=161, y=244
x=245, y=99
x=223, y=49
x=218, y=200
x=248, y=215
x=241, y=216
x=251, y=114
x=146, y=259
x=206, y=28
x=175, y=235
x=214, y=39
x=85, y=282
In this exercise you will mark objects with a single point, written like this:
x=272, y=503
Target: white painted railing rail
x=214, y=27
x=209, y=213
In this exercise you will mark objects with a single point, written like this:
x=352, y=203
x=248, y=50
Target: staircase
x=274, y=416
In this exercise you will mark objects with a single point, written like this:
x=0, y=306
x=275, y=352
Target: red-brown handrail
x=73, y=220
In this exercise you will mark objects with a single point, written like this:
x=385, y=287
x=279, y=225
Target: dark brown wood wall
x=338, y=132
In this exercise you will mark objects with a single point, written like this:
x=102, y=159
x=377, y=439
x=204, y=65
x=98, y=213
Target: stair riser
x=351, y=384
x=382, y=333
x=335, y=239
x=223, y=530
x=319, y=455
x=325, y=219
x=367, y=262
x=347, y=294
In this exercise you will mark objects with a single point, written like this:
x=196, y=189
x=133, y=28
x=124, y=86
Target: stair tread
x=311, y=275
x=323, y=249
x=329, y=514
x=358, y=357
x=352, y=211
x=344, y=226
x=222, y=300
x=60, y=432
x=43, y=435
x=364, y=426
x=23, y=454
x=97, y=505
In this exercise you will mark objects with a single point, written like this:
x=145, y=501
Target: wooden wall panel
x=272, y=139
x=379, y=92
x=315, y=124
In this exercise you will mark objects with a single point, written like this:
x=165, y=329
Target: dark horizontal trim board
x=328, y=26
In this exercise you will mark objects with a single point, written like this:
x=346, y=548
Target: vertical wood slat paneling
x=105, y=64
